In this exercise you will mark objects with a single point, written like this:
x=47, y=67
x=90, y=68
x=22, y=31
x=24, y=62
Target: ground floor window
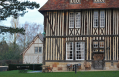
x=69, y=51
x=98, y=46
x=77, y=48
x=80, y=50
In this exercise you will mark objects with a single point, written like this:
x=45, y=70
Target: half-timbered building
x=80, y=31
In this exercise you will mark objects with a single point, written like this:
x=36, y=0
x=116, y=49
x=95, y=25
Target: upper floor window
x=38, y=49
x=102, y=18
x=99, y=1
x=95, y=19
x=74, y=19
x=75, y=1
x=99, y=18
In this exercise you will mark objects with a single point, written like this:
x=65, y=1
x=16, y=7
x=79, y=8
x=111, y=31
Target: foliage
x=15, y=8
x=62, y=74
x=12, y=30
x=9, y=52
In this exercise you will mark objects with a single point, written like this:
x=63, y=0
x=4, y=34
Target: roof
x=85, y=4
x=40, y=36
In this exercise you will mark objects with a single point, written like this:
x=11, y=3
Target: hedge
x=30, y=66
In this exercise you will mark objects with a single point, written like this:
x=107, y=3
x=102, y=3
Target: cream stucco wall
x=30, y=57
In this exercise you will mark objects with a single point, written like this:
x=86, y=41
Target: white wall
x=32, y=58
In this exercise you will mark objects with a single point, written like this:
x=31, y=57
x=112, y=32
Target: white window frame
x=74, y=19
x=69, y=50
x=82, y=50
x=95, y=17
x=102, y=18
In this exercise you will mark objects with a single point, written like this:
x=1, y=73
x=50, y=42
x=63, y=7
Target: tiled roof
x=85, y=4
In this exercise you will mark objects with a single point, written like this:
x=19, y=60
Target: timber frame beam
x=82, y=36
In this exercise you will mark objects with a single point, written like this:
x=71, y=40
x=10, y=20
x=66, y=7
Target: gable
x=37, y=43
x=38, y=40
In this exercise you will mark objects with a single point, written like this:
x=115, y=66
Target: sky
x=33, y=16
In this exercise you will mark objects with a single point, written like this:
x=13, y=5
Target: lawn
x=62, y=74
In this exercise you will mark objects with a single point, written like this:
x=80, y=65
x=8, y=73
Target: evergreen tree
x=15, y=8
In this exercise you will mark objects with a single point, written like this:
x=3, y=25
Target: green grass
x=61, y=74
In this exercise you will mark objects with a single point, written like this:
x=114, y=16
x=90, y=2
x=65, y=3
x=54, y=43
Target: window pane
x=101, y=50
x=95, y=50
x=77, y=19
x=71, y=22
x=102, y=18
x=95, y=19
x=101, y=44
x=69, y=51
x=80, y=50
x=40, y=49
x=36, y=49
x=95, y=44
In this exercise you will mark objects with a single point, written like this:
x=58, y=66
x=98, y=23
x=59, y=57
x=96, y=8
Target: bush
x=30, y=66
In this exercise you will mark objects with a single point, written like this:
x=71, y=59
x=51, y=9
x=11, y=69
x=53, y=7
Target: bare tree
x=31, y=30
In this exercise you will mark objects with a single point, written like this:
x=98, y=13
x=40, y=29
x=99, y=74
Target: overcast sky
x=33, y=16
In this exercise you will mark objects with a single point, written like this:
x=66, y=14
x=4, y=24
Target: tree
x=15, y=8
x=3, y=48
x=31, y=30
x=11, y=30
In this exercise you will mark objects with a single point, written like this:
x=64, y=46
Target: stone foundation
x=62, y=66
x=110, y=66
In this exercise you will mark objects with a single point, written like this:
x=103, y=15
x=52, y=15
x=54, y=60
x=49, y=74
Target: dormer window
x=75, y=1
x=99, y=1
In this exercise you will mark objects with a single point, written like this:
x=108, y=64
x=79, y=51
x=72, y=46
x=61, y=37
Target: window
x=75, y=1
x=96, y=18
x=99, y=1
x=38, y=49
x=98, y=46
x=102, y=18
x=69, y=51
x=95, y=44
x=101, y=44
x=79, y=50
x=71, y=22
x=75, y=19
